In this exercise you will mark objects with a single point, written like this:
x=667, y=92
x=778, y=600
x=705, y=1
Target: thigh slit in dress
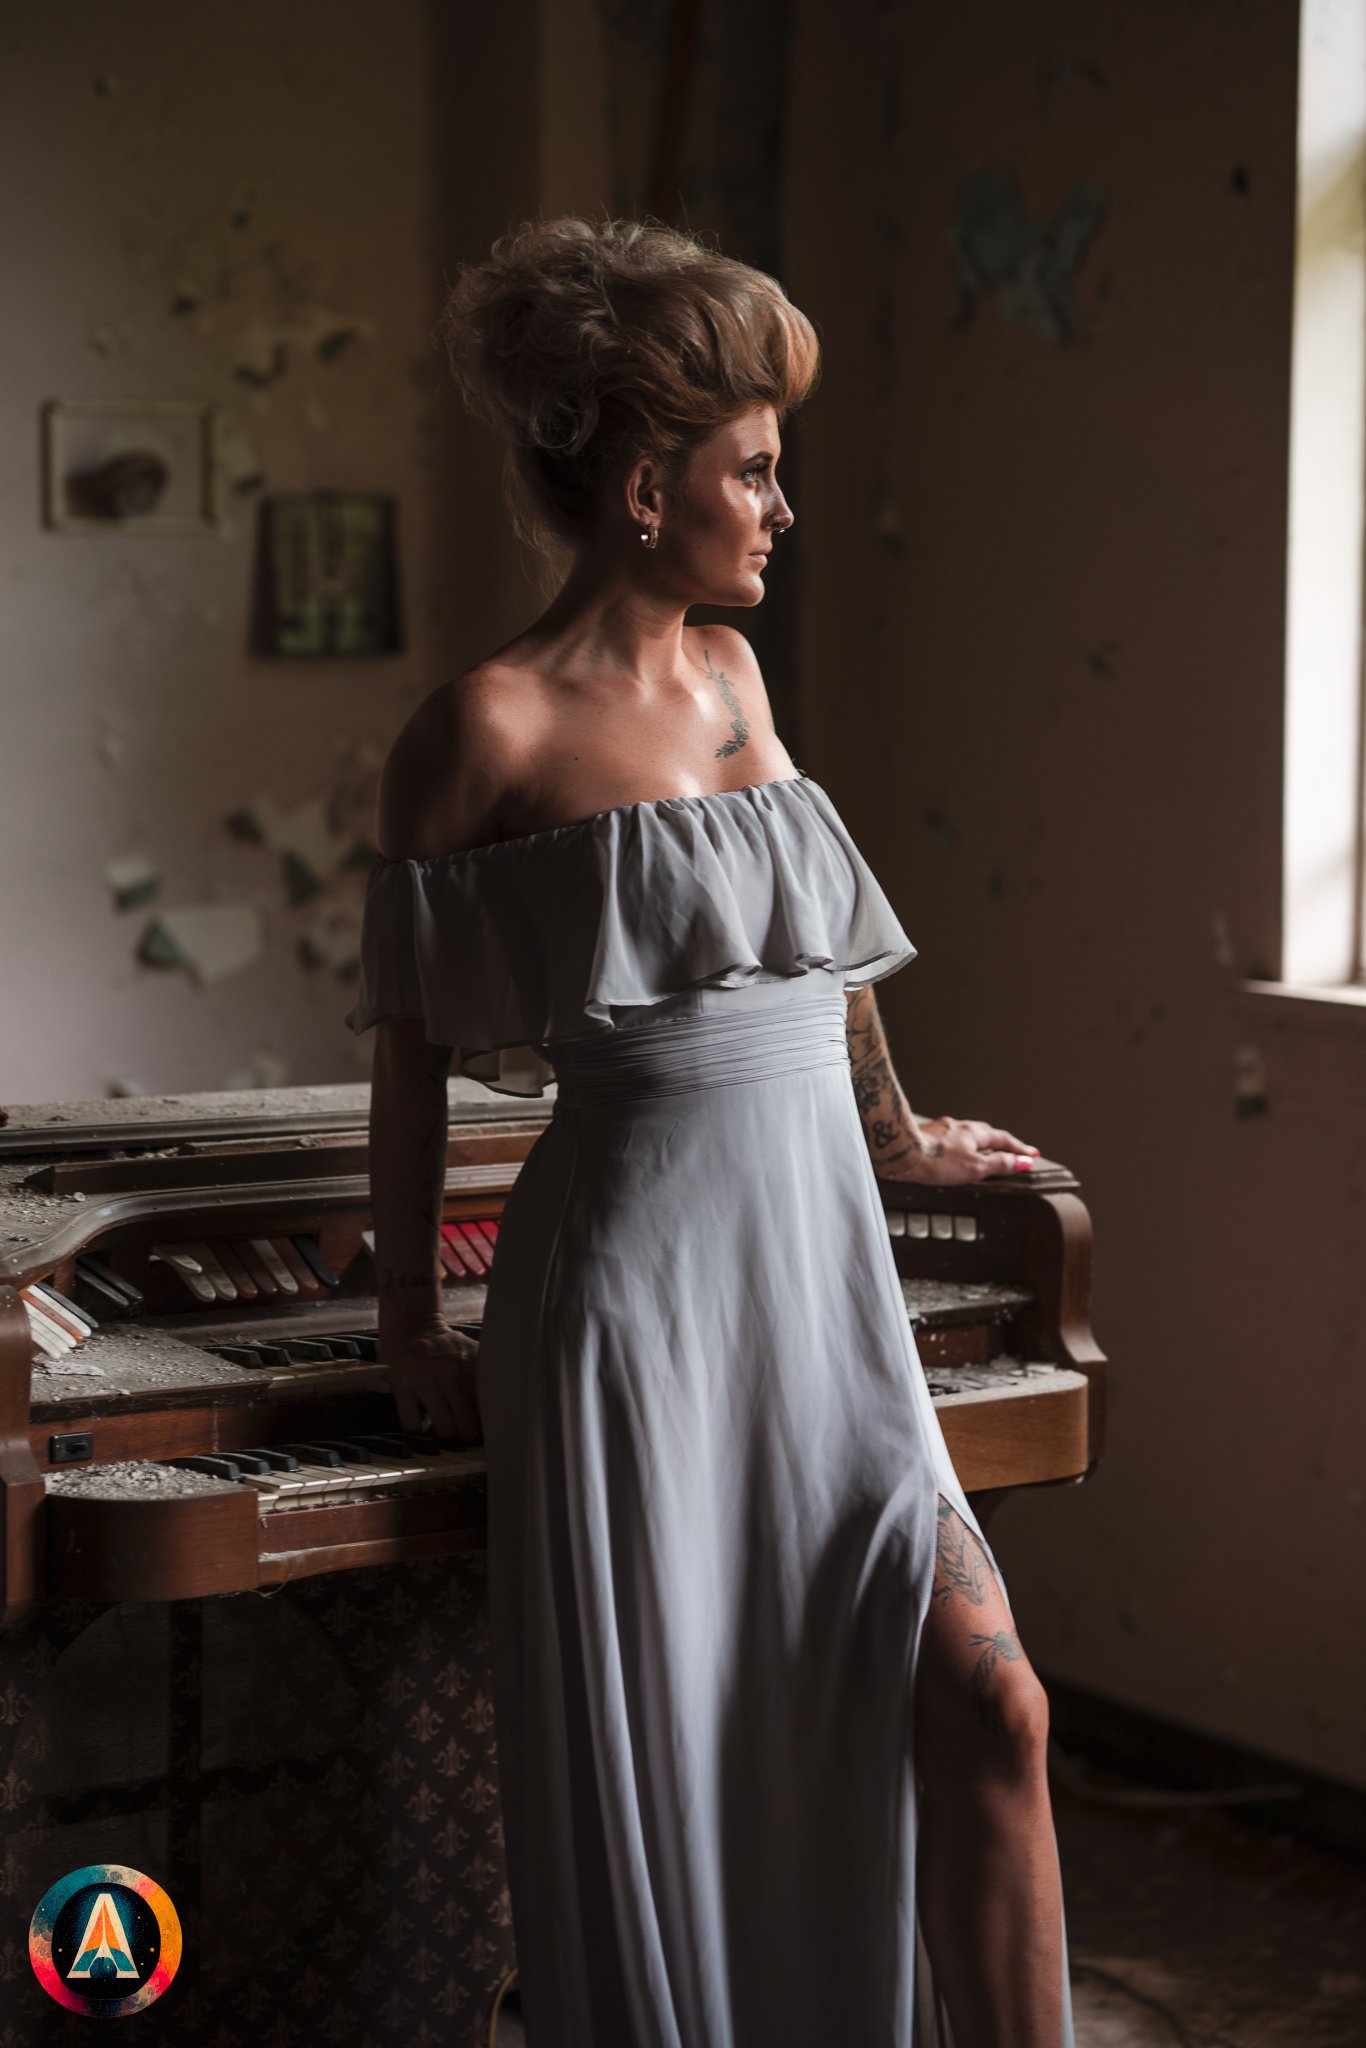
x=714, y=1464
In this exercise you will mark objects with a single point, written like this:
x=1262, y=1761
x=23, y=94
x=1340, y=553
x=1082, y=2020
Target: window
x=1323, y=892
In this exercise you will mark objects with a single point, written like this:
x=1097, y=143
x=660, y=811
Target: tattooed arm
x=944, y=1151
x=429, y=1365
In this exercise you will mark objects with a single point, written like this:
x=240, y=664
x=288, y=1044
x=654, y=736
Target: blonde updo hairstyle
x=587, y=346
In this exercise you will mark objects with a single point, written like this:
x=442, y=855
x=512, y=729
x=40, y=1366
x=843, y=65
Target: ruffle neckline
x=503, y=954
x=648, y=803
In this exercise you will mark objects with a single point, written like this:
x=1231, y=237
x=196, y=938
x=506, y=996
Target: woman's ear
x=644, y=491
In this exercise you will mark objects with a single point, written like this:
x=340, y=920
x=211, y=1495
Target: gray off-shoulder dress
x=713, y=1459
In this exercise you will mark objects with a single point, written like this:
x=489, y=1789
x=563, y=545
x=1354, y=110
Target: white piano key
x=52, y=1342
x=41, y=1315
x=215, y=1272
x=66, y=1318
x=965, y=1229
x=278, y=1485
x=274, y=1265
x=917, y=1224
x=188, y=1268
x=896, y=1222
x=941, y=1226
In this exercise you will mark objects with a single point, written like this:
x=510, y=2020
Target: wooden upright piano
x=244, y=1645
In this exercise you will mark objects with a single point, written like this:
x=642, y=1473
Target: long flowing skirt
x=714, y=1467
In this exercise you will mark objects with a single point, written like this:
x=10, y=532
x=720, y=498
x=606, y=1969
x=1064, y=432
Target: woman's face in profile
x=718, y=523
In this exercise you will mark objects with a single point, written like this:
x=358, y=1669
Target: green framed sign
x=330, y=574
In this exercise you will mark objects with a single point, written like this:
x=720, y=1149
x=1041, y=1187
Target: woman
x=753, y=1660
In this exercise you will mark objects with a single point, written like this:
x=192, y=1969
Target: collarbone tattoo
x=739, y=724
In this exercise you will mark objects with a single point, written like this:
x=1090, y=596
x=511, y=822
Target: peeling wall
x=1042, y=640
x=256, y=207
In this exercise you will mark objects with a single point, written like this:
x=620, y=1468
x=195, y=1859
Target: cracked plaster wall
x=207, y=200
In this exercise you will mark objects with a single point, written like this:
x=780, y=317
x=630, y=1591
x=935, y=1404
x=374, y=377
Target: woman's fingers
x=1002, y=1141
x=998, y=1161
x=989, y=1139
x=409, y=1410
x=435, y=1377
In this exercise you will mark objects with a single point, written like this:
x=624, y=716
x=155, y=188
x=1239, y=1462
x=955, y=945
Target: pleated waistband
x=714, y=1051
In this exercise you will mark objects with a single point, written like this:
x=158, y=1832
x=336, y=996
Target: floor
x=1191, y=1929
x=1190, y=1926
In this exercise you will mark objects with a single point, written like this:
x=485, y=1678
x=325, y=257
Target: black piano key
x=271, y=1354
x=218, y=1468
x=253, y=1462
x=342, y=1347
x=95, y=1275
x=305, y=1350
x=307, y=1248
x=367, y=1346
x=352, y=1452
x=312, y=1454
x=85, y=1314
x=109, y=1298
x=272, y=1457
x=99, y=1271
x=239, y=1354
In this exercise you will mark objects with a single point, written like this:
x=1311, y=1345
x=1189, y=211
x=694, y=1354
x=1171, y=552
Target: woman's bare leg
x=990, y=1899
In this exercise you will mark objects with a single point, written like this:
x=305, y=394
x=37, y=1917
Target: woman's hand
x=955, y=1151
x=431, y=1367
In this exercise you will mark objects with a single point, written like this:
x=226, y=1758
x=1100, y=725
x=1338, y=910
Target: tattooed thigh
x=961, y=1570
x=970, y=1644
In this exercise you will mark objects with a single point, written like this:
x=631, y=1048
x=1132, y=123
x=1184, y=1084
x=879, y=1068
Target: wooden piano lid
x=34, y=1130
x=36, y=1220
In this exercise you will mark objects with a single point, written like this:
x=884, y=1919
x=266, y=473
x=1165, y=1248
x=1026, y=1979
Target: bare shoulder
x=725, y=647
x=452, y=765
x=724, y=654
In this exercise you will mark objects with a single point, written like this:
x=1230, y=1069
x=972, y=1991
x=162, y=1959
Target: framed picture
x=145, y=465
x=329, y=574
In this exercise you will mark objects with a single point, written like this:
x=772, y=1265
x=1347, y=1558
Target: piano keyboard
x=279, y=1268
x=290, y=1268
x=351, y=1468
x=939, y=1225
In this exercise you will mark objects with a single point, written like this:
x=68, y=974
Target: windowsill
x=1295, y=999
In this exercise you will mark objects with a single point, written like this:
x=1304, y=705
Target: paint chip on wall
x=331, y=941
x=133, y=881
x=311, y=851
x=1028, y=267
x=211, y=940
